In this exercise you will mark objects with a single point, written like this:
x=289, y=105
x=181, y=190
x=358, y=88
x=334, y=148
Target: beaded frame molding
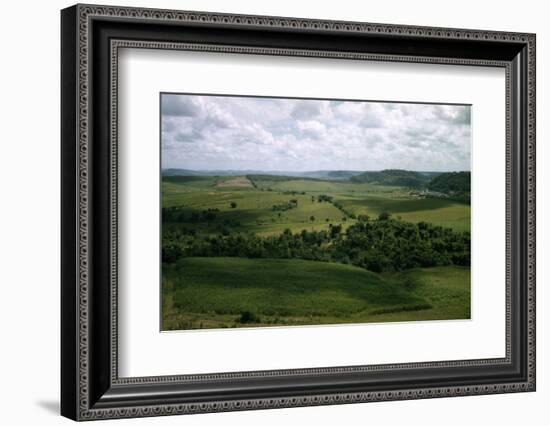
x=91, y=38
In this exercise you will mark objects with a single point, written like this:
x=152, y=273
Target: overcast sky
x=239, y=133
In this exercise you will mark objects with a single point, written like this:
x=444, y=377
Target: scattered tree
x=248, y=317
x=384, y=216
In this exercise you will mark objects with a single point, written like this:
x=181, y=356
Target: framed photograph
x=263, y=212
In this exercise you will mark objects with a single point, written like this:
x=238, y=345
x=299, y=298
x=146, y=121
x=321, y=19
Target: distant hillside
x=430, y=175
x=342, y=174
x=451, y=183
x=315, y=174
x=276, y=178
x=393, y=177
x=184, y=179
x=390, y=177
x=187, y=172
x=180, y=172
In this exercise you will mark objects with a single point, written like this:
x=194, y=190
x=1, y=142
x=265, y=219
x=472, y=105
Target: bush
x=233, y=204
x=326, y=198
x=171, y=252
x=384, y=216
x=248, y=317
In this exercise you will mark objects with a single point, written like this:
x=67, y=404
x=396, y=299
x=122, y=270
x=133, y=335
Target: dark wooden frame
x=90, y=386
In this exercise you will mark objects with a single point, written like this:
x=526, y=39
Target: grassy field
x=238, y=292
x=438, y=211
x=254, y=204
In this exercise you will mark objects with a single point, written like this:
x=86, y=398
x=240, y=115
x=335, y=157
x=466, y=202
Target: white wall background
x=29, y=212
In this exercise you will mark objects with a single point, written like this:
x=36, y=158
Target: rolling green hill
x=393, y=177
x=238, y=292
x=342, y=174
x=452, y=182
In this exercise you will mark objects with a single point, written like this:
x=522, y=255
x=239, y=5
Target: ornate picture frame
x=91, y=37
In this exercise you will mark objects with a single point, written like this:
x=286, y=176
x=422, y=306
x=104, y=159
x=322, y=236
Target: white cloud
x=312, y=129
x=251, y=133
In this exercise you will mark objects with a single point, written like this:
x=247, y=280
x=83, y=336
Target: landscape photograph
x=280, y=212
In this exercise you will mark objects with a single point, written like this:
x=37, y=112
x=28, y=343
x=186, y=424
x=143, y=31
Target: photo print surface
x=284, y=212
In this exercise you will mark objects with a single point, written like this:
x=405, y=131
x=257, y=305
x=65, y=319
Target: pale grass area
x=236, y=182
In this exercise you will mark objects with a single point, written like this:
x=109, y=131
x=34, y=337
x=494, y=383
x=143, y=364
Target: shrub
x=171, y=252
x=384, y=216
x=248, y=317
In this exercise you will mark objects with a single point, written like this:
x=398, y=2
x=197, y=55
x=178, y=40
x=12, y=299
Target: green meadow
x=260, y=250
x=219, y=292
x=254, y=203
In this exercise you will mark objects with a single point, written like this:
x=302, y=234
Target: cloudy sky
x=239, y=133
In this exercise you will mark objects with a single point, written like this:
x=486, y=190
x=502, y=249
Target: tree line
x=383, y=244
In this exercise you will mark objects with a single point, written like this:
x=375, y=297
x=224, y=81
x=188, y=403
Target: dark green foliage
x=177, y=214
x=393, y=177
x=384, y=216
x=248, y=317
x=171, y=252
x=430, y=175
x=377, y=245
x=335, y=230
x=451, y=183
x=409, y=308
x=324, y=197
x=292, y=204
x=233, y=204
